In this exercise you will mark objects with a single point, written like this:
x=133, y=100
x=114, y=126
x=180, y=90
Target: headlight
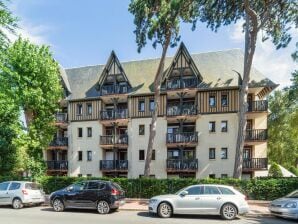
x=290, y=205
x=152, y=201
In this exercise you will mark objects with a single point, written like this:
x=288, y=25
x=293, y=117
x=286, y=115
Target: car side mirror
x=183, y=193
x=70, y=188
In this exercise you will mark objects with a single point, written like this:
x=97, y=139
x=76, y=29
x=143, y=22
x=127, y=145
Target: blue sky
x=84, y=32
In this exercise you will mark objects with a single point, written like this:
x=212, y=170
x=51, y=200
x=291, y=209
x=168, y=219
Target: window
x=141, y=129
x=79, y=186
x=80, y=155
x=212, y=176
x=212, y=153
x=153, y=154
x=93, y=185
x=89, y=175
x=80, y=175
x=224, y=153
x=224, y=126
x=141, y=105
x=212, y=101
x=89, y=132
x=14, y=186
x=195, y=190
x=79, y=109
x=4, y=186
x=224, y=100
x=212, y=126
x=80, y=132
x=225, y=190
x=151, y=105
x=211, y=190
x=89, y=155
x=89, y=109
x=141, y=154
x=224, y=176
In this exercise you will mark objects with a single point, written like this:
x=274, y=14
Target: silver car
x=286, y=207
x=201, y=199
x=20, y=193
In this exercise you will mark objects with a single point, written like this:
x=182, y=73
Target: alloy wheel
x=165, y=210
x=229, y=211
x=58, y=205
x=103, y=207
x=17, y=203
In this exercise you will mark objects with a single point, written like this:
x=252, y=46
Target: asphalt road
x=45, y=215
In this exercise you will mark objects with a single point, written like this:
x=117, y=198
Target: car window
x=79, y=186
x=195, y=190
x=32, y=186
x=14, y=186
x=225, y=190
x=211, y=190
x=4, y=186
x=117, y=186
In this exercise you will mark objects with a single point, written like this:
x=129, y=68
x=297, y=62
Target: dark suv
x=105, y=196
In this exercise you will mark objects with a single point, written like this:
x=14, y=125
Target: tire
x=164, y=210
x=17, y=203
x=103, y=207
x=228, y=211
x=58, y=205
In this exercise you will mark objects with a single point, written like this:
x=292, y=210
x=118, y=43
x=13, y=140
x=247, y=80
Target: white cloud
x=274, y=64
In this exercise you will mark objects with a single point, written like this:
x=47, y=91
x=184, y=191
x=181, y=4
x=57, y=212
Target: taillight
x=25, y=192
x=115, y=192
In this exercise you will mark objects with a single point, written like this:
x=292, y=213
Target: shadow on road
x=69, y=210
x=270, y=220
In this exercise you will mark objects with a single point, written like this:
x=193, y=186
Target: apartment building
x=103, y=127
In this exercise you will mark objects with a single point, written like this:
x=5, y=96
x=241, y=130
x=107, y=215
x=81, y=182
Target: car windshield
x=294, y=194
x=183, y=189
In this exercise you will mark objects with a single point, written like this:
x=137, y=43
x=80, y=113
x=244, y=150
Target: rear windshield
x=116, y=186
x=32, y=186
x=293, y=195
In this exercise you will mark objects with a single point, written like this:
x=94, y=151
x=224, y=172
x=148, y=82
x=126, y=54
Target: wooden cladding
x=218, y=101
x=140, y=106
x=84, y=110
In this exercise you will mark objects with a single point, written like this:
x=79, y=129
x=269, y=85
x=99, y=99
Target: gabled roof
x=219, y=69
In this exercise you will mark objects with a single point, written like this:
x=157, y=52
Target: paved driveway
x=45, y=215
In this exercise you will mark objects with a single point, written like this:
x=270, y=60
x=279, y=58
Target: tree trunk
x=251, y=32
x=157, y=84
x=29, y=116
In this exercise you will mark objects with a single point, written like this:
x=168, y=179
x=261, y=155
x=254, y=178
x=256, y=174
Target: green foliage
x=294, y=170
x=275, y=170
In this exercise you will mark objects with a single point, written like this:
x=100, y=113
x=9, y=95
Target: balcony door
x=249, y=124
x=247, y=152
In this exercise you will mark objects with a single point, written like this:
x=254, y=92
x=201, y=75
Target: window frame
x=80, y=155
x=79, y=132
x=212, y=150
x=226, y=153
x=89, y=105
x=212, y=130
x=89, y=129
x=89, y=152
x=224, y=129
x=212, y=96
x=79, y=111
x=143, y=151
x=141, y=102
x=150, y=105
x=227, y=99
x=143, y=126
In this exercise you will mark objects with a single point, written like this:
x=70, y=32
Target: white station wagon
x=201, y=199
x=20, y=193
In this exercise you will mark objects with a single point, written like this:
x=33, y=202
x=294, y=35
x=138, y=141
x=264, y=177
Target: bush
x=294, y=170
x=275, y=170
x=258, y=189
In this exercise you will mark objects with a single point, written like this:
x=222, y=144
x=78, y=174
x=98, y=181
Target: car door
x=211, y=200
x=71, y=196
x=87, y=198
x=4, y=196
x=13, y=190
x=189, y=203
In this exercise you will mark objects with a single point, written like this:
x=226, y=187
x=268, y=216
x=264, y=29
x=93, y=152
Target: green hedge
x=258, y=189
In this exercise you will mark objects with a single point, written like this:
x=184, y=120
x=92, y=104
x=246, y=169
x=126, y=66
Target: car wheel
x=17, y=203
x=228, y=211
x=58, y=205
x=165, y=210
x=103, y=207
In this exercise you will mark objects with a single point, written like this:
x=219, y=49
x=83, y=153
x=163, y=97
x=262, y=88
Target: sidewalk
x=256, y=208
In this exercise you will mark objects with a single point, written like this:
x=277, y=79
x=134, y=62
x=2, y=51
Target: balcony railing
x=114, y=114
x=57, y=165
x=183, y=137
x=181, y=110
x=257, y=106
x=255, y=163
x=110, y=165
x=256, y=135
x=114, y=140
x=61, y=117
x=182, y=165
x=114, y=89
x=181, y=83
x=60, y=141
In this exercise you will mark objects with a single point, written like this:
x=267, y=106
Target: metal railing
x=114, y=89
x=256, y=135
x=182, y=137
x=113, y=164
x=259, y=105
x=173, y=110
x=57, y=165
x=181, y=83
x=114, y=114
x=61, y=117
x=59, y=141
x=114, y=140
x=255, y=163
x=182, y=164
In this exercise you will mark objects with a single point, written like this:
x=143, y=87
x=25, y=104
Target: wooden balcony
x=189, y=139
x=57, y=166
x=258, y=106
x=188, y=112
x=59, y=143
x=113, y=165
x=109, y=141
x=255, y=164
x=180, y=165
x=185, y=83
x=256, y=135
x=119, y=115
x=114, y=89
